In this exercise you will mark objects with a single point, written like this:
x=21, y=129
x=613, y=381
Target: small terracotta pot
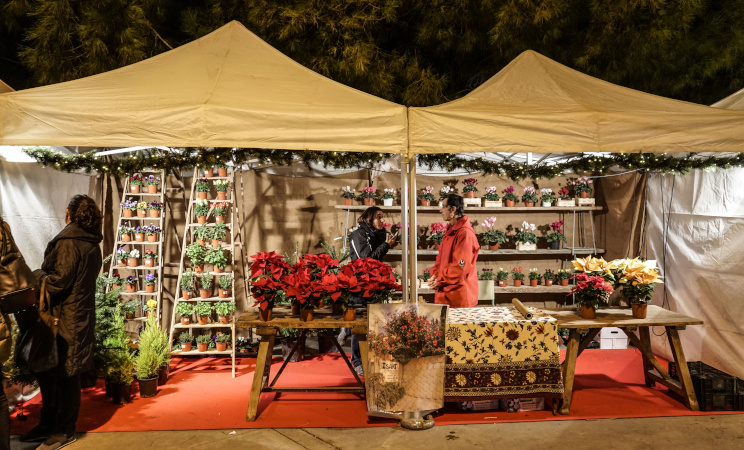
x=470, y=194
x=265, y=314
x=221, y=346
x=224, y=293
x=186, y=295
x=185, y=346
x=127, y=213
x=224, y=320
x=201, y=242
x=218, y=269
x=584, y=195
x=199, y=268
x=348, y=201
x=588, y=312
x=202, y=195
x=121, y=263
x=201, y=347
x=350, y=314
x=548, y=282
x=149, y=288
x=509, y=202
x=208, y=173
x=203, y=293
x=306, y=315
x=639, y=310
x=517, y=283
x=369, y=202
x=114, y=286
x=131, y=288
x=203, y=320
x=126, y=237
x=493, y=246
x=185, y=320
x=295, y=309
x=132, y=262
x=135, y=188
x=129, y=316
x=216, y=243
x=152, y=188
x=141, y=213
x=501, y=283
x=528, y=204
x=201, y=219
x=152, y=238
x=139, y=237
x=425, y=202
x=222, y=172
x=533, y=283
x=564, y=282
x=221, y=195
x=219, y=219
x=154, y=213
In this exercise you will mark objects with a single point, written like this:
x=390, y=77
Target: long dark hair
x=85, y=213
x=368, y=216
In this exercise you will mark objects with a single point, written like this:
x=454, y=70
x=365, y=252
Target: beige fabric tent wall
x=227, y=89
x=537, y=105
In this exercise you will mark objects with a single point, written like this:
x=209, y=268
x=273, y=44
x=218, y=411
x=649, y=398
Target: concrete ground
x=696, y=432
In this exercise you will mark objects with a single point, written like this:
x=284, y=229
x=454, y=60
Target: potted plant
x=368, y=195
x=152, y=232
x=548, y=276
x=348, y=194
x=517, y=276
x=469, y=190
x=427, y=196
x=388, y=195
x=425, y=277
x=221, y=342
x=221, y=169
x=217, y=258
x=125, y=233
x=120, y=375
x=121, y=256
x=510, y=198
x=203, y=186
x=589, y=291
x=219, y=231
x=564, y=275
x=128, y=207
x=149, y=258
x=184, y=311
x=155, y=207
x=131, y=283
x=205, y=280
x=149, y=358
x=202, y=342
x=196, y=254
x=128, y=308
x=491, y=197
x=555, y=236
x=225, y=282
x=564, y=198
x=203, y=310
x=485, y=285
x=437, y=233
x=268, y=271
x=529, y=197
x=220, y=211
x=135, y=183
x=149, y=283
x=534, y=277
x=445, y=191
x=208, y=171
x=546, y=196
x=139, y=233
x=114, y=281
x=151, y=307
x=637, y=280
x=185, y=340
x=202, y=233
x=152, y=182
x=501, y=276
x=223, y=310
x=133, y=258
x=141, y=208
x=525, y=237
x=201, y=209
x=187, y=284
x=221, y=187
x=492, y=237
x=581, y=187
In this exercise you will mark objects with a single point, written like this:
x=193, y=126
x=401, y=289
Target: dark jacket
x=6, y=340
x=368, y=243
x=72, y=261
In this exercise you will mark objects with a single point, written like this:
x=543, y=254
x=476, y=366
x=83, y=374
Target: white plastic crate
x=612, y=338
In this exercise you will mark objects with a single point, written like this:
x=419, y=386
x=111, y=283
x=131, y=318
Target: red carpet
x=201, y=395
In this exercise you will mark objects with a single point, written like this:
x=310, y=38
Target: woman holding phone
x=369, y=240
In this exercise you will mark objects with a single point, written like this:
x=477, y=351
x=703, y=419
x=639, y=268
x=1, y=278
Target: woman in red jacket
x=454, y=278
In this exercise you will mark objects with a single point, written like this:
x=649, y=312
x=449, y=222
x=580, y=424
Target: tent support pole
x=408, y=216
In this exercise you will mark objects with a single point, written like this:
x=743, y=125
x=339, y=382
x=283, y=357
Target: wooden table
x=623, y=318
x=282, y=318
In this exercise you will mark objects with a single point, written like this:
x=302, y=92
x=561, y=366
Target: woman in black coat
x=369, y=240
x=72, y=262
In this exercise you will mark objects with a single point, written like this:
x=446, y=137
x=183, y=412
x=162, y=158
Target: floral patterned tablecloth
x=495, y=352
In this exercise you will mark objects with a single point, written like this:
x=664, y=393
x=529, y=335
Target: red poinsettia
x=374, y=279
x=268, y=272
x=591, y=290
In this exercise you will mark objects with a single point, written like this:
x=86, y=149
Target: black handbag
x=17, y=282
x=36, y=344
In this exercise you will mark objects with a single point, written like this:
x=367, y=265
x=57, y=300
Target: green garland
x=347, y=160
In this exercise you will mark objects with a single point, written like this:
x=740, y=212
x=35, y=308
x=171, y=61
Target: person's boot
x=58, y=440
x=37, y=434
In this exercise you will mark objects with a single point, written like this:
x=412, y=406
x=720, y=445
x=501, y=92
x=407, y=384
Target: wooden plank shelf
x=481, y=209
x=519, y=290
x=511, y=252
x=209, y=325
x=179, y=352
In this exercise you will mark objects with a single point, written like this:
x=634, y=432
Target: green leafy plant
x=502, y=274
x=224, y=308
x=509, y=194
x=546, y=195
x=130, y=307
x=187, y=280
x=184, y=309
x=225, y=281
x=203, y=185
x=564, y=274
x=517, y=274
x=203, y=339
x=557, y=232
x=206, y=281
x=153, y=352
x=426, y=275
x=368, y=192
x=526, y=233
x=549, y=275
x=486, y=274
x=203, y=232
x=220, y=209
x=216, y=257
x=470, y=185
x=201, y=207
x=530, y=195
x=223, y=338
x=219, y=231
x=493, y=236
x=534, y=275
x=581, y=184
x=491, y=194
x=221, y=185
x=203, y=309
x=196, y=253
x=185, y=337
x=427, y=194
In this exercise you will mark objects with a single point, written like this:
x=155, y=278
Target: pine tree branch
x=159, y=37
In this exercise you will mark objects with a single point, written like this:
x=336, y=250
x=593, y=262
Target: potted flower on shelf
x=135, y=183
x=534, y=277
x=268, y=271
x=205, y=281
x=517, y=276
x=510, y=198
x=196, y=254
x=425, y=277
x=221, y=187
x=219, y=231
x=133, y=258
x=187, y=284
x=125, y=233
x=368, y=195
x=220, y=211
x=437, y=233
x=149, y=282
x=427, y=196
x=202, y=342
x=388, y=195
x=114, y=281
x=128, y=207
x=223, y=310
x=184, y=311
x=202, y=233
x=201, y=209
x=469, y=190
x=564, y=275
x=139, y=233
x=555, y=237
x=348, y=194
x=221, y=170
x=313, y=283
x=141, y=208
x=151, y=307
x=492, y=237
x=155, y=207
x=217, y=258
x=152, y=182
x=128, y=308
x=225, y=282
x=548, y=276
x=501, y=276
x=546, y=196
x=529, y=197
x=637, y=280
x=525, y=237
x=596, y=266
x=590, y=291
x=485, y=285
x=152, y=232
x=149, y=258
x=445, y=191
x=564, y=198
x=203, y=186
x=221, y=341
x=581, y=187
x=185, y=340
x=491, y=198
x=203, y=310
x=121, y=256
